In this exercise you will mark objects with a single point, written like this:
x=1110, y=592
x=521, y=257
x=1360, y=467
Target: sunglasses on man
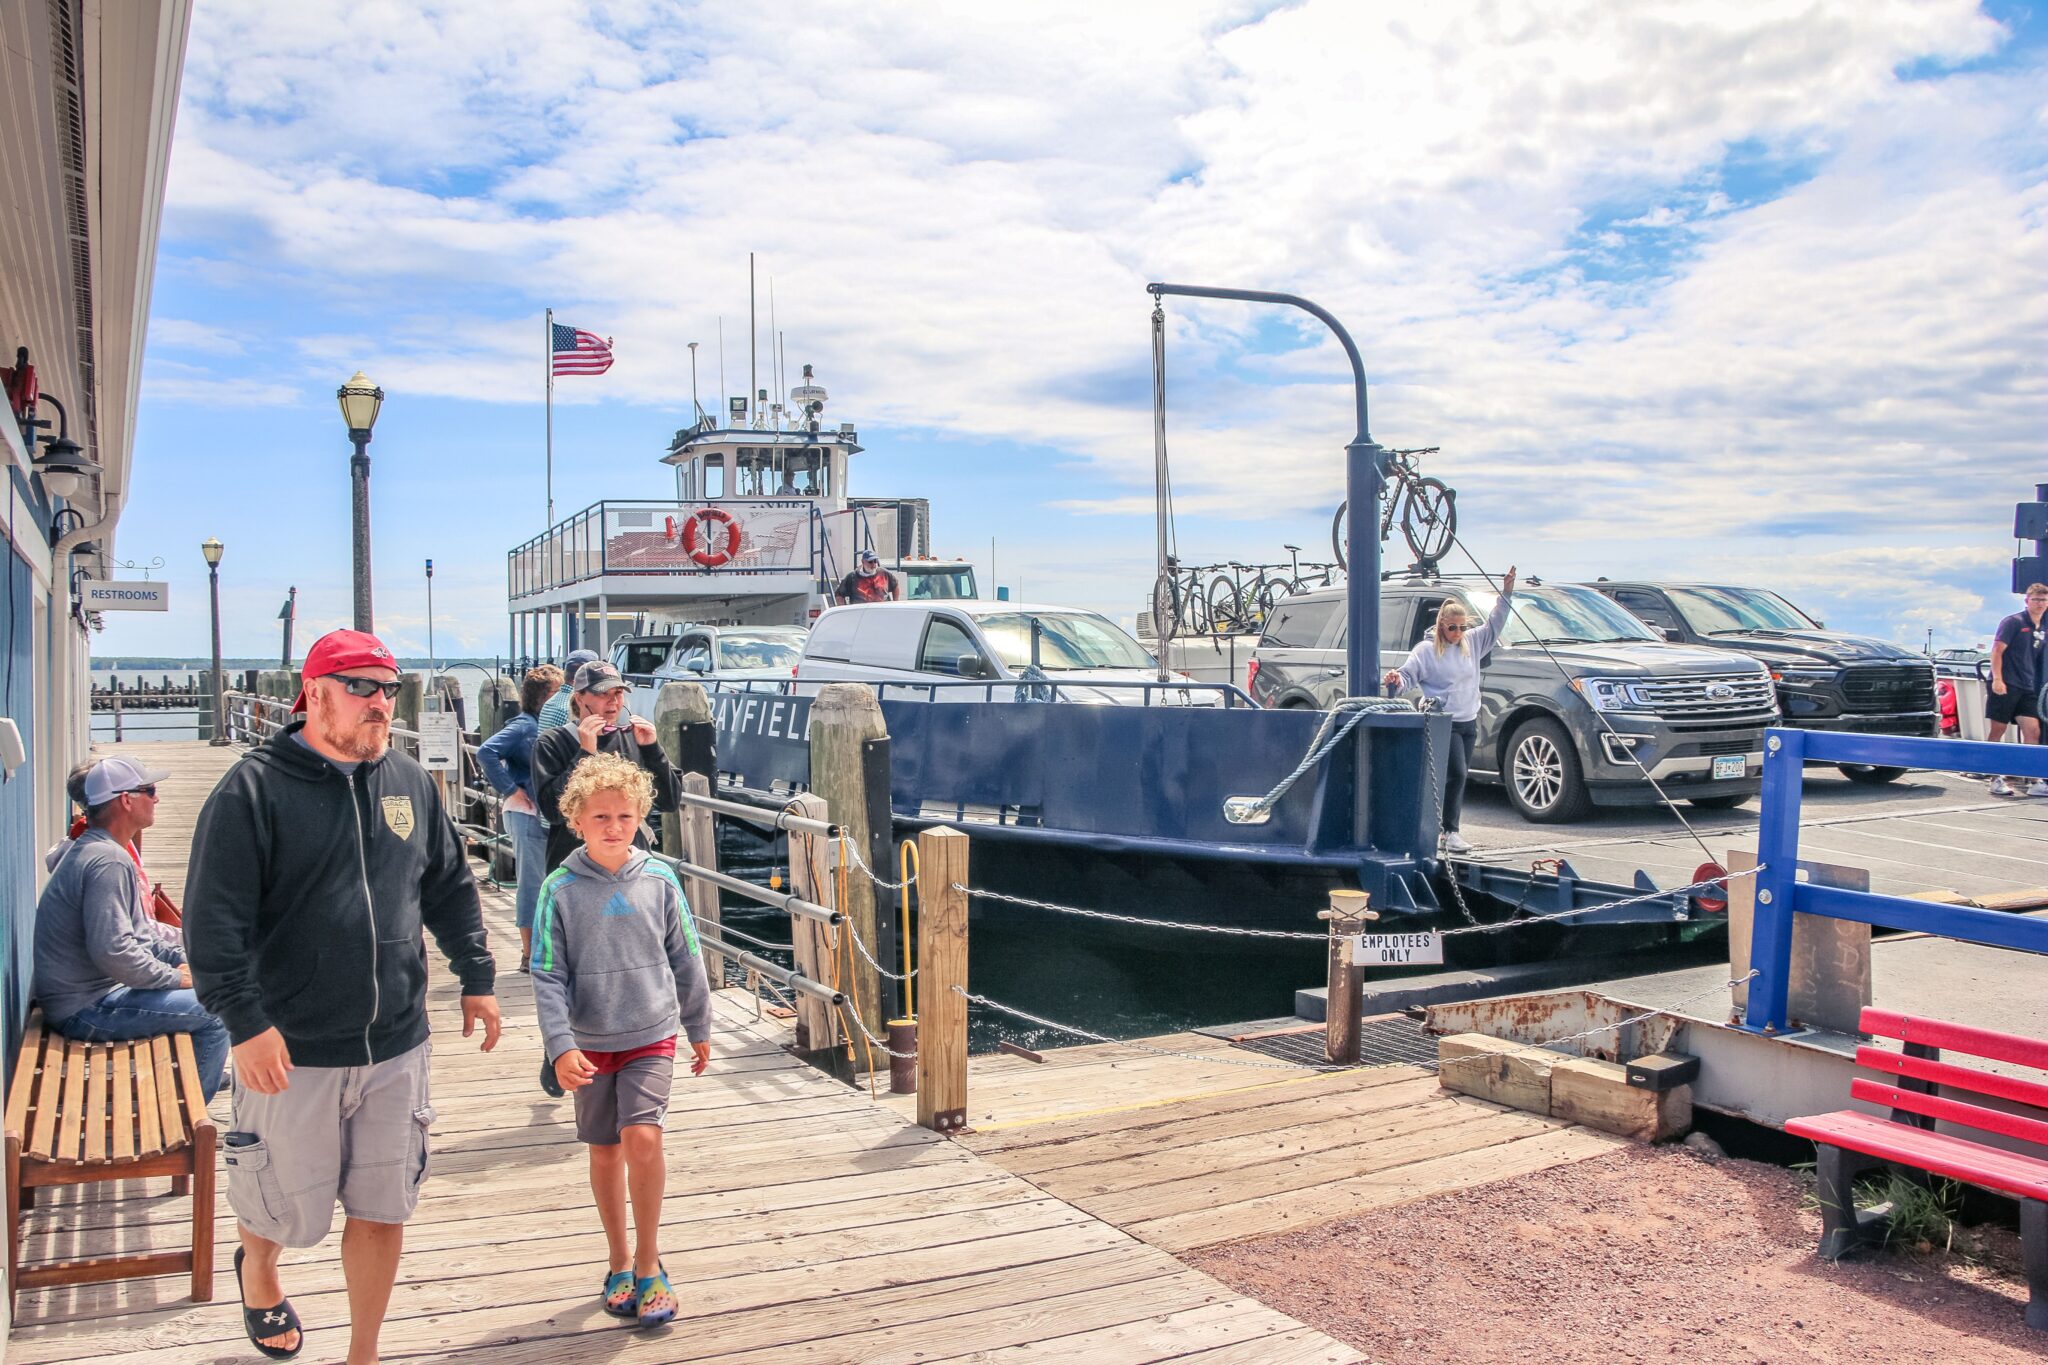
x=365, y=687
x=149, y=790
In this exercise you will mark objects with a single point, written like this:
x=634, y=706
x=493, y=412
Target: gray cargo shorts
x=636, y=1093
x=357, y=1134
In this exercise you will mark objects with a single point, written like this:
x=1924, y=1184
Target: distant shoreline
x=153, y=665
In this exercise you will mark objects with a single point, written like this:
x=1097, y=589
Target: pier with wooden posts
x=1016, y=1205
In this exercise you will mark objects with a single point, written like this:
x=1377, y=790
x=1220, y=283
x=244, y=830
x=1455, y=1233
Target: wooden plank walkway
x=803, y=1222
x=1193, y=1151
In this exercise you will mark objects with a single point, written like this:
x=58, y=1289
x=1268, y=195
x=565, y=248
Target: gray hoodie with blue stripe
x=615, y=958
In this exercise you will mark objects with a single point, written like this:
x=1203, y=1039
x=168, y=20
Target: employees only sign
x=1396, y=950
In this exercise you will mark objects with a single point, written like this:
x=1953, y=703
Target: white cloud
x=959, y=216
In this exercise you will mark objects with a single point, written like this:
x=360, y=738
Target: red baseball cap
x=339, y=650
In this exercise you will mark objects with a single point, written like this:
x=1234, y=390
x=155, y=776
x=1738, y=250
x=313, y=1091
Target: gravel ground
x=1647, y=1254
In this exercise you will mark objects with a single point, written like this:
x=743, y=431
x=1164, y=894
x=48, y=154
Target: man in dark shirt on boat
x=2016, y=676
x=872, y=583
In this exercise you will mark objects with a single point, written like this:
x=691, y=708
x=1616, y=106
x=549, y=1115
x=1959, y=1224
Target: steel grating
x=1381, y=1042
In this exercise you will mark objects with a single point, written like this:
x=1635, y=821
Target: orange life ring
x=697, y=543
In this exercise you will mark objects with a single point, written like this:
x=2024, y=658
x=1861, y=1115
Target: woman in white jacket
x=1445, y=666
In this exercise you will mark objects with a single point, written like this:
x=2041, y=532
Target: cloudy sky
x=1749, y=292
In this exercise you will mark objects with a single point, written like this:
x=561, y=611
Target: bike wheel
x=1340, y=542
x=1271, y=592
x=1224, y=610
x=1429, y=519
x=1166, y=622
x=1194, y=612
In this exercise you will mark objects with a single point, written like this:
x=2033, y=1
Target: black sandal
x=268, y=1322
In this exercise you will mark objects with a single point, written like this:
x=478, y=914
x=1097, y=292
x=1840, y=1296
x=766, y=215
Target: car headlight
x=1805, y=677
x=1609, y=694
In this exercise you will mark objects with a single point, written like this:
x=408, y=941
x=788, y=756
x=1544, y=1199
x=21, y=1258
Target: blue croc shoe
x=657, y=1301
x=621, y=1295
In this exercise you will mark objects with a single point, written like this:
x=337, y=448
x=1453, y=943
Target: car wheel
x=1544, y=781
x=1870, y=774
x=1716, y=802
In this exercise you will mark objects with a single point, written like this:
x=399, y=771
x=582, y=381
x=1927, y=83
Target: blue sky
x=1752, y=293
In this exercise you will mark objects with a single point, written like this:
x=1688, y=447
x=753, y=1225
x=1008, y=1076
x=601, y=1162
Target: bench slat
x=1977, y=1042
x=49, y=1079
x=71, y=1113
x=168, y=1109
x=25, y=1068
x=151, y=1140
x=190, y=1092
x=1955, y=1157
x=1954, y=1111
x=99, y=1060
x=1955, y=1077
x=121, y=1104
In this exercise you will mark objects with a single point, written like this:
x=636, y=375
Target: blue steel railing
x=1780, y=894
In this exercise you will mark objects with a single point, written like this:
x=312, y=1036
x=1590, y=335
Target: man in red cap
x=316, y=864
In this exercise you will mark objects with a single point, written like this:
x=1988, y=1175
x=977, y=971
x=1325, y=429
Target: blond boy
x=616, y=974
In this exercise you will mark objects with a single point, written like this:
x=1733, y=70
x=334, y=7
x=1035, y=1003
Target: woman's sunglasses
x=1456, y=626
x=365, y=687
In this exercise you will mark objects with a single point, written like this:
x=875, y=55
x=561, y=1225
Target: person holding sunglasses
x=105, y=969
x=318, y=864
x=1445, y=666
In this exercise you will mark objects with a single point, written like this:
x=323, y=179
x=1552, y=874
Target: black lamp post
x=360, y=400
x=211, y=548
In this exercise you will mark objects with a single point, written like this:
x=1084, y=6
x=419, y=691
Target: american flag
x=580, y=352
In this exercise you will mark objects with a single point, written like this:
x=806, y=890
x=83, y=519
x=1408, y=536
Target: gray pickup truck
x=1577, y=701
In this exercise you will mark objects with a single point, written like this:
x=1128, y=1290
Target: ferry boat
x=762, y=526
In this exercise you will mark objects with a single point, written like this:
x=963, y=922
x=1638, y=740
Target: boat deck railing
x=1174, y=694
x=1780, y=894
x=643, y=537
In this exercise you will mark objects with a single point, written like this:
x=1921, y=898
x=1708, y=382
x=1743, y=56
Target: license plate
x=1734, y=765
x=1396, y=950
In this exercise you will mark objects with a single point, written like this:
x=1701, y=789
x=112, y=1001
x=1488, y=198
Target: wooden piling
x=812, y=876
x=843, y=718
x=682, y=725
x=1347, y=918
x=405, y=709
x=941, y=966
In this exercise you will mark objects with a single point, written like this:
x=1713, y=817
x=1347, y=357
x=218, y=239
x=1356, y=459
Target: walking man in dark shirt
x=871, y=583
x=2014, y=695
x=316, y=863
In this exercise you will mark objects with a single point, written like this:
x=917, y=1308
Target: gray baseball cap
x=598, y=676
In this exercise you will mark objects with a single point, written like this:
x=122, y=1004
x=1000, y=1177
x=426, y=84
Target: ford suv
x=1826, y=680
x=1577, y=699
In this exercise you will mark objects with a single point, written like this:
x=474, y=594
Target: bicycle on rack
x=1230, y=598
x=1427, y=507
x=1239, y=605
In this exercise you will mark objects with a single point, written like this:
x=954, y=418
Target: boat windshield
x=1730, y=611
x=1563, y=616
x=759, y=651
x=928, y=584
x=1067, y=641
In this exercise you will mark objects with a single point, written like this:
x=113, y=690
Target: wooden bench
x=80, y=1113
x=1852, y=1142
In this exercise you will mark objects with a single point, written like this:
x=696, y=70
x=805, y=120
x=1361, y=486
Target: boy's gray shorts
x=636, y=1093
x=356, y=1134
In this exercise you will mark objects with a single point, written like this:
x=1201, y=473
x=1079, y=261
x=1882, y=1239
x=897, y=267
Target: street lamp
x=211, y=548
x=360, y=400
x=433, y=666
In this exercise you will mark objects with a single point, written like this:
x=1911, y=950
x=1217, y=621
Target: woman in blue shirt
x=507, y=761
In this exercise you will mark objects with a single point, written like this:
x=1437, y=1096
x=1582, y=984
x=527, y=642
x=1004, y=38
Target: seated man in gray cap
x=105, y=971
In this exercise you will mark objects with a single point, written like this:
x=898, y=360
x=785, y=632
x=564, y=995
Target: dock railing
x=1780, y=894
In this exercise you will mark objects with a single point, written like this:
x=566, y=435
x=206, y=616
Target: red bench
x=1852, y=1142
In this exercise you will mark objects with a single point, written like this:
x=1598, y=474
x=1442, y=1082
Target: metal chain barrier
x=853, y=857
x=853, y=1012
x=1321, y=936
x=1550, y=1045
x=869, y=957
x=1093, y=1036
x=1318, y=935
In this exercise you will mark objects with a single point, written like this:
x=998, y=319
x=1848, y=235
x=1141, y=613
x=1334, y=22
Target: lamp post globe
x=360, y=401
x=212, y=548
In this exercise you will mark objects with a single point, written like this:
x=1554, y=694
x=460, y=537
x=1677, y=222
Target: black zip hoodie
x=306, y=898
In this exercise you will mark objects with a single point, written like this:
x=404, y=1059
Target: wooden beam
x=843, y=718
x=942, y=966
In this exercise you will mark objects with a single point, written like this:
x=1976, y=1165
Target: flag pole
x=550, y=364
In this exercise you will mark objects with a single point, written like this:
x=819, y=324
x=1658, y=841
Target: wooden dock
x=803, y=1222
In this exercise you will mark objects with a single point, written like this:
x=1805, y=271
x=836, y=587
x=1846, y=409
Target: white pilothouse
x=763, y=525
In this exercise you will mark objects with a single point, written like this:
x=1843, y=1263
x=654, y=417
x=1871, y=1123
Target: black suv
x=1826, y=680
